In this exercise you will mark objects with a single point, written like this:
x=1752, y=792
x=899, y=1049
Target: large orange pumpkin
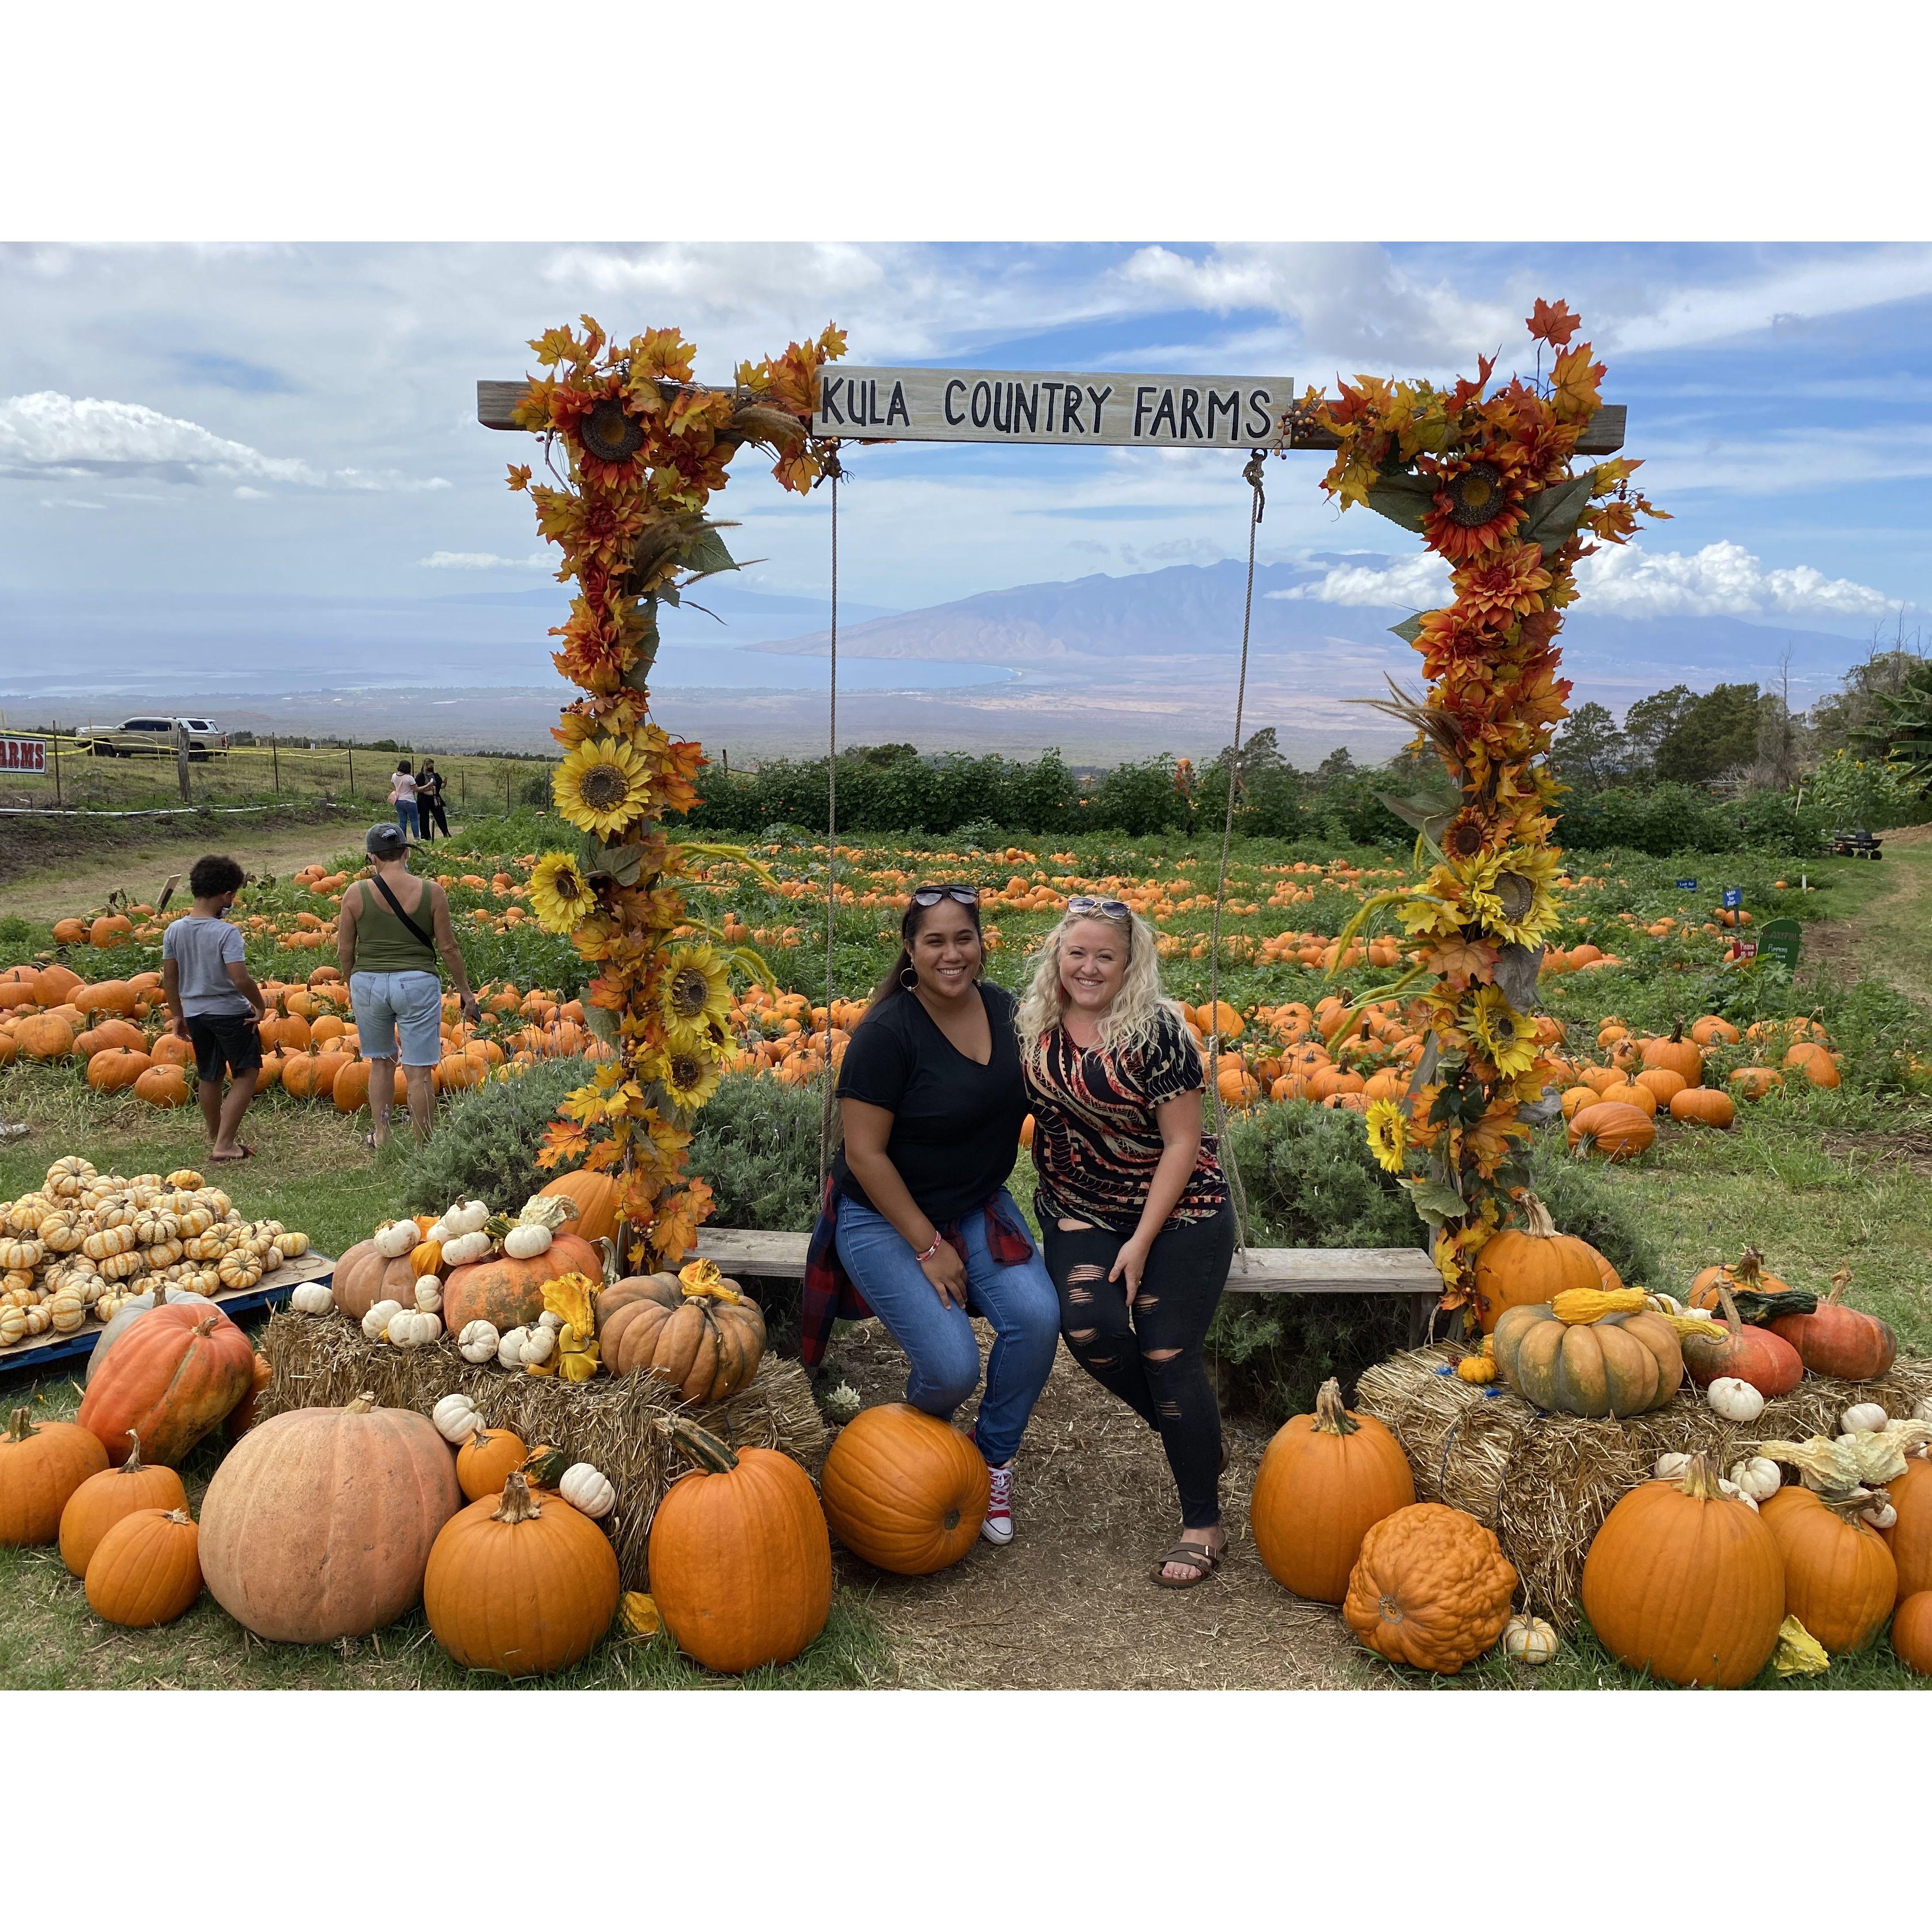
x=318, y=1524
x=106, y=996
x=44, y=1037
x=508, y=1293
x=709, y=1346
x=170, y=1049
x=107, y=1032
x=1612, y=1129
x=174, y=1375
x=163, y=1086
x=1686, y=1582
x=111, y=929
x=54, y=984
x=740, y=1563
x=363, y=1278
x=904, y=1490
x=1677, y=1054
x=1912, y=1632
x=42, y=1464
x=105, y=1497
x=146, y=1570
x=595, y=1195
x=1530, y=1263
x=1432, y=1589
x=521, y=1584
x=1909, y=1539
x=114, y=1067
x=1326, y=1479
x=1840, y=1581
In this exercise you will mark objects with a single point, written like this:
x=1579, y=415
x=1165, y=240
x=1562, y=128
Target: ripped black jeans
x=1149, y=1354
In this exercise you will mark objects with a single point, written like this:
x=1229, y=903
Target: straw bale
x=324, y=1361
x=1545, y=1482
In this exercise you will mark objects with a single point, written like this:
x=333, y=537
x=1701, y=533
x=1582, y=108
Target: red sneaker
x=998, y=1527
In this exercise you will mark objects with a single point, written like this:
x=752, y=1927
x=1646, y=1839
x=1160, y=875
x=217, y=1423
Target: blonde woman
x=1133, y=1208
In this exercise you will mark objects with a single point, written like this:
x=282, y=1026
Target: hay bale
x=324, y=1361
x=1545, y=1482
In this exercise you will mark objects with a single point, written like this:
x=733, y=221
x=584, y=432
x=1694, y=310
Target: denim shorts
x=386, y=1003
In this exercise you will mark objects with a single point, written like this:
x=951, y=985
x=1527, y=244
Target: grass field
x=1813, y=1178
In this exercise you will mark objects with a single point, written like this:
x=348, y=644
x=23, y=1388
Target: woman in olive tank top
x=391, y=930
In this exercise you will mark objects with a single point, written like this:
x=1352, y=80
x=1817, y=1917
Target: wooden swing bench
x=1403, y=1271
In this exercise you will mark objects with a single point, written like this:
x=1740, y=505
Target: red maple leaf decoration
x=1553, y=322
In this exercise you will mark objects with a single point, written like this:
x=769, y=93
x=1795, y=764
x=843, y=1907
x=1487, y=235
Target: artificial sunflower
x=1388, y=1134
x=689, y=1076
x=696, y=992
x=560, y=896
x=1476, y=510
x=1506, y=1037
x=602, y=786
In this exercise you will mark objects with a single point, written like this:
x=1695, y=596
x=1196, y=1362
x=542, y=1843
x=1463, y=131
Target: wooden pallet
x=41, y=1355
x=1405, y=1271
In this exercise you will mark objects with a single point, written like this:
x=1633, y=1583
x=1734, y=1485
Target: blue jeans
x=408, y=818
x=386, y=1003
x=938, y=1338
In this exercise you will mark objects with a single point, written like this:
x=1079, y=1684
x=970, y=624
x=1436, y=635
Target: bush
x=1584, y=1200
x=484, y=1147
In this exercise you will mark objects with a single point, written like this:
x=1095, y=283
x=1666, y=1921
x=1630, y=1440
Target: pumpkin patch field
x=1771, y=1130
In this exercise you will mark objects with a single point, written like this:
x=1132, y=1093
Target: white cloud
x=1417, y=583
x=1720, y=580
x=482, y=559
x=250, y=495
x=49, y=434
x=68, y=503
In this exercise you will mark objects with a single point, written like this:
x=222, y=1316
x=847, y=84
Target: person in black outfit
x=429, y=800
x=1133, y=1206
x=931, y=1101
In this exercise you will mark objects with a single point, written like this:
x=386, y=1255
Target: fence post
x=351, y=771
x=57, y=770
x=506, y=786
x=181, y=761
x=463, y=786
x=275, y=759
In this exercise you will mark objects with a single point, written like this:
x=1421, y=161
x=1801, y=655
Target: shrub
x=484, y=1146
x=1587, y=1200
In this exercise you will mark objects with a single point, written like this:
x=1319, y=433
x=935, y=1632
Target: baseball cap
x=386, y=842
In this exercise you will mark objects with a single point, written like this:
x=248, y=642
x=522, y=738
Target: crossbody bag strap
x=381, y=885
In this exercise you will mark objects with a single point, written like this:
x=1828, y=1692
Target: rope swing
x=834, y=471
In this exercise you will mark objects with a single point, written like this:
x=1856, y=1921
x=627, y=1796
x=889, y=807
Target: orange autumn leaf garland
x=1489, y=481
x=644, y=447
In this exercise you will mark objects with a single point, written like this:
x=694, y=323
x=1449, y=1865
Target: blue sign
x=1734, y=897
x=1687, y=885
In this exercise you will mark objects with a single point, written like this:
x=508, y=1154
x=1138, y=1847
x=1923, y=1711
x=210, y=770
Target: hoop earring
x=906, y=985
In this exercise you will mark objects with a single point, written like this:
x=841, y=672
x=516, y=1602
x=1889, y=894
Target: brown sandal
x=1197, y=1556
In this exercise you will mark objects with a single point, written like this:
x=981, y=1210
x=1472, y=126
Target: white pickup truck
x=153, y=736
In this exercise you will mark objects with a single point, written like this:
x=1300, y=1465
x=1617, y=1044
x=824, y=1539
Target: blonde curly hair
x=1137, y=1007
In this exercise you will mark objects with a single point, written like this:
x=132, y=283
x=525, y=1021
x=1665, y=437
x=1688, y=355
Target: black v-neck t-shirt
x=956, y=1124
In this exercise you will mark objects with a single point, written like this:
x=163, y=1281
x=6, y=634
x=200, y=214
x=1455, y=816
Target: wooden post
x=351, y=771
x=57, y=770
x=181, y=761
x=275, y=759
x=506, y=787
x=463, y=786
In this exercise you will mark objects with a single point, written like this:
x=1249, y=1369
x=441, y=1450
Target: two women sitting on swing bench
x=1136, y=1229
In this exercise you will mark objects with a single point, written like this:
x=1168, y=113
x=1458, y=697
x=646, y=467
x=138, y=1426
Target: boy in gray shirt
x=216, y=1005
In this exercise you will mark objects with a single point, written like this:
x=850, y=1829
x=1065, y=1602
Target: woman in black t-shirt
x=931, y=1101
x=1133, y=1206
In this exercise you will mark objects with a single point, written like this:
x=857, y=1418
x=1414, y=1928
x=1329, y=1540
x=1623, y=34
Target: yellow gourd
x=1577, y=1307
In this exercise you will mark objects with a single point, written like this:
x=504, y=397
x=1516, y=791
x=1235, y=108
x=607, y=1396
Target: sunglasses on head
x=931, y=895
x=1084, y=906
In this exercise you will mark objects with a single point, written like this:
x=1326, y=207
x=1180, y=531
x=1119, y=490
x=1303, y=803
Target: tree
x=1718, y=733
x=1859, y=704
x=1650, y=720
x=1902, y=733
x=1589, y=751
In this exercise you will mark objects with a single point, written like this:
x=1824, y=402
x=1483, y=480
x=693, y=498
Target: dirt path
x=1889, y=937
x=58, y=885
x=1069, y=1605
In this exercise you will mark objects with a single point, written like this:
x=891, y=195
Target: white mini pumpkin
x=1726, y=1487
x=465, y=1217
x=539, y=1345
x=429, y=1293
x=313, y=1297
x=510, y=1347
x=376, y=1323
x=1864, y=1417
x=456, y=1416
x=1526, y=1640
x=526, y=1240
x=395, y=1238
x=1665, y=1304
x=411, y=1327
x=586, y=1488
x=1734, y=1399
x=1760, y=1478
x=1671, y=1465
x=472, y=1246
x=550, y=1318
x=478, y=1343
x=1880, y=1516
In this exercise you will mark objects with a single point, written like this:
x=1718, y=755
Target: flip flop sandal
x=231, y=1160
x=1203, y=1560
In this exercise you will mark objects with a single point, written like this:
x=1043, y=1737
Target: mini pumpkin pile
x=84, y=1245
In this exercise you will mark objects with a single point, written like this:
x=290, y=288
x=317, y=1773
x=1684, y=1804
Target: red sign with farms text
x=23, y=755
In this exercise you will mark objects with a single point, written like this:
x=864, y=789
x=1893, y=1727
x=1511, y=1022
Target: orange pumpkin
x=44, y=1037
x=1706, y=1106
x=42, y=1464
x=904, y=1490
x=147, y=1571
x=1912, y=1632
x=487, y=1462
x=163, y=1086
x=595, y=1195
x=508, y=1293
x=1627, y=1093
x=104, y=1033
x=170, y=1049
x=106, y=996
x=1755, y=1082
x=1534, y=1263
x=1682, y=1057
x=363, y=1278
x=115, y=1067
x=105, y=1497
x=1840, y=1582
x=69, y=932
x=1432, y=1589
x=173, y=1375
x=1661, y=1083
x=1616, y=1132
x=53, y=985
x=111, y=929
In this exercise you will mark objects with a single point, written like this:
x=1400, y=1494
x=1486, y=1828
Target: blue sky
x=299, y=420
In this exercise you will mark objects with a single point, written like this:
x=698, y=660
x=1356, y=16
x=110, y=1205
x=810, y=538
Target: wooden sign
x=25, y=756
x=1027, y=405
x=1780, y=940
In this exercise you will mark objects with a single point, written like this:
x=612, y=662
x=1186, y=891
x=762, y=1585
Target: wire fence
x=59, y=769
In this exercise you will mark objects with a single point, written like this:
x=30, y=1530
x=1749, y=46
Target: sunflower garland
x=644, y=446
x=1489, y=481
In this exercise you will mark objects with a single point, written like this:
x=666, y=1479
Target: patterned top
x=1096, y=1141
